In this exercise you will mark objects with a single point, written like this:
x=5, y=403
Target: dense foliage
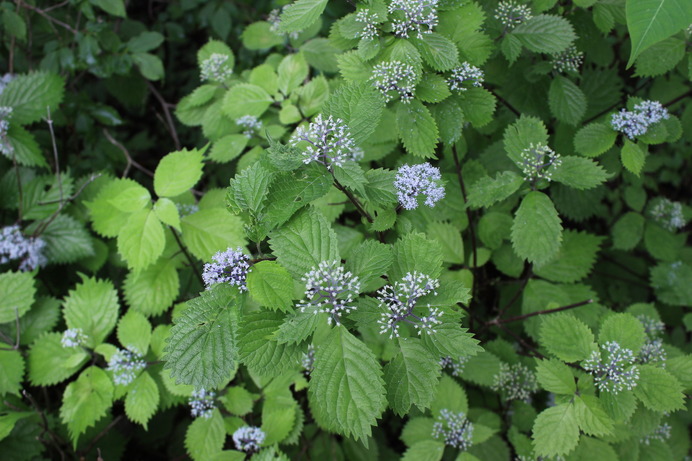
x=362, y=230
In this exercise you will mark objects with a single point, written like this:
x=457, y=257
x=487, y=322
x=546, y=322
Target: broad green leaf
x=25, y=149
x=202, y=347
x=426, y=450
x=49, y=363
x=545, y=33
x=556, y=377
x=411, y=377
x=620, y=406
x=149, y=65
x=567, y=102
x=211, y=230
x=271, y=285
x=591, y=417
x=628, y=231
x=291, y=191
x=41, y=318
x=438, y=51
x=167, y=212
x=594, y=139
x=658, y=390
x=141, y=239
x=11, y=371
x=178, y=172
x=478, y=105
x=414, y=252
x=85, y=401
x=449, y=395
x=237, y=400
x=433, y=88
x=106, y=219
x=633, y=156
x=566, y=337
x=359, y=105
x=32, y=96
x=449, y=238
x=449, y=119
x=146, y=41
x=450, y=340
x=9, y=420
x=380, y=187
x=494, y=228
x=258, y=36
x=248, y=189
x=650, y=21
x=300, y=15
x=292, y=72
x=134, y=332
x=278, y=418
x=93, y=307
x=670, y=282
x=132, y=199
x=298, y=327
x=114, y=7
x=660, y=58
x=482, y=368
x=205, y=437
x=17, y=293
x=66, y=240
x=574, y=260
x=228, y=148
x=556, y=431
x=142, y=399
x=346, y=393
x=521, y=134
x=624, y=329
x=536, y=232
x=154, y=289
x=487, y=191
x=351, y=176
x=246, y=99
x=369, y=261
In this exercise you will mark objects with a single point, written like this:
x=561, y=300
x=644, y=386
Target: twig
x=130, y=161
x=516, y=295
x=46, y=428
x=91, y=179
x=166, y=113
x=521, y=341
x=353, y=199
x=55, y=152
x=100, y=435
x=47, y=16
x=679, y=98
x=187, y=255
x=469, y=216
x=506, y=103
x=498, y=321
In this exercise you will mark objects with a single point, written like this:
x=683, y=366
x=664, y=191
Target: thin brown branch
x=99, y=436
x=167, y=113
x=498, y=321
x=183, y=248
x=506, y=103
x=130, y=161
x=56, y=441
x=47, y=16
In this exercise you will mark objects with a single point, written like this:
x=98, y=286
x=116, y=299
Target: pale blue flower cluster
x=5, y=80
x=511, y=14
x=395, y=78
x=539, y=162
x=230, y=266
x=186, y=209
x=330, y=289
x=202, y=403
x=669, y=214
x=515, y=382
x=5, y=146
x=569, y=60
x=653, y=352
x=216, y=68
x=662, y=433
x=614, y=369
x=417, y=16
x=307, y=360
x=329, y=142
x=248, y=438
x=125, y=366
x=464, y=75
x=250, y=124
x=369, y=21
x=456, y=366
x=14, y=246
x=73, y=337
x=414, y=180
x=401, y=298
x=652, y=327
x=636, y=123
x=454, y=428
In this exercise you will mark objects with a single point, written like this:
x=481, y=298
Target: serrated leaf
x=591, y=417
x=359, y=105
x=380, y=186
x=369, y=261
x=633, y=156
x=41, y=318
x=478, y=105
x=346, y=393
x=579, y=173
x=202, y=347
x=628, y=231
x=246, y=99
x=167, y=212
x=32, y=96
x=11, y=372
x=271, y=285
x=49, y=363
x=17, y=293
x=134, y=332
x=414, y=252
x=620, y=406
x=574, y=260
x=93, y=307
x=487, y=191
x=554, y=376
x=449, y=395
x=292, y=191
x=425, y=450
x=658, y=390
x=212, y=230
x=237, y=400
x=25, y=149
x=85, y=401
x=566, y=337
x=298, y=327
x=154, y=289
x=556, y=431
x=536, y=231
x=352, y=176
x=106, y=219
x=449, y=238
x=594, y=139
x=205, y=437
x=142, y=399
x=411, y=377
x=178, y=172
x=545, y=33
x=278, y=418
x=417, y=129
x=66, y=240
x=438, y=51
x=141, y=239
x=292, y=72
x=300, y=15
x=624, y=329
x=228, y=147
x=249, y=188
x=521, y=134
x=660, y=58
x=567, y=102
x=132, y=199
x=450, y=340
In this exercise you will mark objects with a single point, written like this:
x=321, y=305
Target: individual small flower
x=251, y=125
x=652, y=327
x=539, y=162
x=454, y=428
x=414, y=180
x=74, y=337
x=14, y=246
x=274, y=19
x=369, y=21
x=569, y=60
x=395, y=78
x=662, y=433
x=515, y=382
x=457, y=366
x=613, y=369
x=307, y=361
x=465, y=74
x=329, y=142
x=230, y=266
x=5, y=146
x=417, y=16
x=186, y=209
x=511, y=14
x=330, y=289
x=669, y=214
x=216, y=68
x=652, y=352
x=248, y=438
x=202, y=403
x=401, y=299
x=125, y=366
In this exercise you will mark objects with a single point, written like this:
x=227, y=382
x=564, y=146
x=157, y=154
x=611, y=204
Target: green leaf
x=146, y=41
x=149, y=65
x=438, y=51
x=650, y=21
x=660, y=58
x=106, y=219
x=211, y=230
x=9, y=420
x=14, y=24
x=228, y=148
x=521, y=134
x=556, y=377
x=134, y=332
x=142, y=399
x=359, y=105
x=290, y=192
x=205, y=437
x=249, y=188
x=670, y=282
x=591, y=417
x=114, y=7
x=658, y=390
x=278, y=418
x=93, y=307
x=380, y=187
x=152, y=290
x=49, y=363
x=141, y=239
x=450, y=340
x=304, y=242
x=556, y=431
x=620, y=406
x=258, y=36
x=478, y=105
x=202, y=348
x=237, y=400
x=346, y=393
x=11, y=372
x=414, y=252
x=536, y=231
x=628, y=231
x=369, y=261
x=574, y=260
x=26, y=150
x=624, y=329
x=411, y=377
x=300, y=15
x=449, y=238
x=426, y=450
x=132, y=199
x=450, y=395
x=246, y=99
x=633, y=156
x=292, y=72
x=545, y=34
x=433, y=88
x=167, y=212
x=32, y=96
x=178, y=172
x=17, y=293
x=487, y=191
x=566, y=337
x=298, y=327
x=85, y=401
x=567, y=102
x=271, y=285
x=66, y=240
x=594, y=139
x=352, y=176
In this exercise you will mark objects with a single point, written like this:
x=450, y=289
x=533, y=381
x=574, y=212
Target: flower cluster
x=414, y=180
x=511, y=14
x=465, y=73
x=539, y=162
x=669, y=214
x=652, y=352
x=125, y=366
x=614, y=369
x=230, y=266
x=369, y=21
x=329, y=142
x=187, y=209
x=307, y=361
x=515, y=382
x=216, y=68
x=419, y=16
x=400, y=299
x=274, y=19
x=5, y=146
x=454, y=428
x=248, y=438
x=635, y=123
x=14, y=246
x=74, y=337
x=202, y=403
x=250, y=124
x=395, y=78
x=330, y=289
x=5, y=80
x=569, y=60
x=652, y=327
x=457, y=366
x=662, y=433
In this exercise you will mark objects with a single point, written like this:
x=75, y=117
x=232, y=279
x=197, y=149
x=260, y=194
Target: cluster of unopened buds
x=14, y=246
x=230, y=266
x=456, y=366
x=250, y=124
x=636, y=122
x=515, y=382
x=202, y=403
x=454, y=428
x=669, y=214
x=216, y=68
x=369, y=21
x=511, y=14
x=539, y=162
x=125, y=366
x=569, y=60
x=414, y=180
x=330, y=289
x=249, y=439
x=464, y=75
x=395, y=78
x=614, y=369
x=329, y=142
x=73, y=337
x=400, y=300
x=413, y=16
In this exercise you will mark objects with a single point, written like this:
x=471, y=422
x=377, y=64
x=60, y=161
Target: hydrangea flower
x=456, y=366
x=73, y=337
x=329, y=142
x=248, y=438
x=369, y=21
x=14, y=246
x=250, y=124
x=230, y=266
x=465, y=74
x=569, y=60
x=613, y=369
x=636, y=123
x=417, y=16
x=202, y=403
x=395, y=78
x=216, y=68
x=125, y=366
x=539, y=162
x=5, y=146
x=401, y=299
x=669, y=214
x=511, y=14
x=414, y=180
x=515, y=382
x=330, y=289
x=454, y=428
